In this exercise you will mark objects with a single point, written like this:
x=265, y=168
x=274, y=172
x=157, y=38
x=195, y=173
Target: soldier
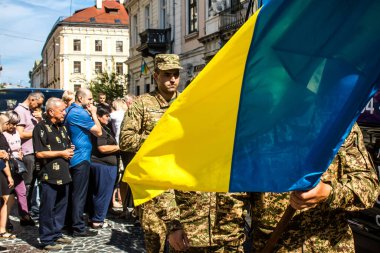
x=137, y=124
x=201, y=222
x=320, y=224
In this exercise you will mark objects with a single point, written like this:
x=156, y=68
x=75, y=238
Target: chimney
x=98, y=4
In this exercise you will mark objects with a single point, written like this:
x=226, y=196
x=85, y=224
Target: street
x=121, y=236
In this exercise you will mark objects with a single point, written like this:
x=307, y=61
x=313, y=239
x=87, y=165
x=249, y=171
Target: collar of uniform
x=161, y=100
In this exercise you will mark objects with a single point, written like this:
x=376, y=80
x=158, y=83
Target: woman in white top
x=14, y=141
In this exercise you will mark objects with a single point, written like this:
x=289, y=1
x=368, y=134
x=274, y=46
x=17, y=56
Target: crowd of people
x=68, y=160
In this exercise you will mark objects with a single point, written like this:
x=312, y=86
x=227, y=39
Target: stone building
x=193, y=29
x=92, y=40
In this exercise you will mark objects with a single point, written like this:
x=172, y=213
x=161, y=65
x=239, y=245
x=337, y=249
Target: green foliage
x=111, y=84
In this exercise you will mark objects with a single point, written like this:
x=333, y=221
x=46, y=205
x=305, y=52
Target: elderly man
x=81, y=121
x=30, y=115
x=52, y=147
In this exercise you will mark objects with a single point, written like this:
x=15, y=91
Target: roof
x=112, y=12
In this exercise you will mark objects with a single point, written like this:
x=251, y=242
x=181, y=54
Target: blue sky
x=24, y=27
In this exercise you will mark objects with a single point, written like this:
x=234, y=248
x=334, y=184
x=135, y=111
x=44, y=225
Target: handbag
x=17, y=166
x=21, y=168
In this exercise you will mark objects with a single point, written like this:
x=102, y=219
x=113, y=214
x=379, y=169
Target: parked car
x=366, y=224
x=11, y=97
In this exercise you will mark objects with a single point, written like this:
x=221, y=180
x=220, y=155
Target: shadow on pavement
x=125, y=240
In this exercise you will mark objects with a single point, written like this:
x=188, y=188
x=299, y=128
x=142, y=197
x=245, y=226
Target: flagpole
x=279, y=230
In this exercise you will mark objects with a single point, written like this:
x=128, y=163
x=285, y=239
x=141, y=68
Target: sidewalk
x=121, y=236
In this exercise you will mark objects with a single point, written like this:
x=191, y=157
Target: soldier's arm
x=358, y=187
x=168, y=211
x=132, y=134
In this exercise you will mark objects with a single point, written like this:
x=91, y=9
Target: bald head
x=83, y=97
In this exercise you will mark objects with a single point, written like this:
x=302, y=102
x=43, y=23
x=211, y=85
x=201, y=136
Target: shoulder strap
x=67, y=114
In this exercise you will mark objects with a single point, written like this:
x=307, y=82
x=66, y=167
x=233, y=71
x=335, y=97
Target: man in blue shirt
x=81, y=122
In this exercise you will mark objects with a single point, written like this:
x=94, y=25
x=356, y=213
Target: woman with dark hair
x=6, y=180
x=13, y=138
x=103, y=169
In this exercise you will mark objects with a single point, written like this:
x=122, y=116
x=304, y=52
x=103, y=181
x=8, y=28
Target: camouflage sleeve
x=168, y=211
x=132, y=134
x=353, y=179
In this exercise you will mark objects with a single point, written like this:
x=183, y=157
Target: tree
x=111, y=84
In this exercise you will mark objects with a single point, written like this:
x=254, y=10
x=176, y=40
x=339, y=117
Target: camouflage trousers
x=297, y=243
x=234, y=247
x=154, y=229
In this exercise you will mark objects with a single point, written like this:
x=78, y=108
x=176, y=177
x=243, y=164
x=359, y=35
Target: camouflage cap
x=167, y=61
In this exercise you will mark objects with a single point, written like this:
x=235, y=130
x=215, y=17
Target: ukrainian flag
x=272, y=108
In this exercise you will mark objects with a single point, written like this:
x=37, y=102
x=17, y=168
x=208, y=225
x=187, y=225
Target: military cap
x=167, y=61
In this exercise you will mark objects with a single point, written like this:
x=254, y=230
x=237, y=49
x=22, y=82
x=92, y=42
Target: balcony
x=154, y=41
x=234, y=17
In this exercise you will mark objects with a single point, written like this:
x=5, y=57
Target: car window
x=9, y=99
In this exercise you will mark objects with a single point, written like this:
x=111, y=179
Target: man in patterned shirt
x=52, y=148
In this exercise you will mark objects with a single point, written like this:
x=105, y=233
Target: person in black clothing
x=103, y=169
x=6, y=180
x=53, y=150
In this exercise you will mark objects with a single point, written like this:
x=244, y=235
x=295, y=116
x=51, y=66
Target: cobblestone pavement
x=121, y=236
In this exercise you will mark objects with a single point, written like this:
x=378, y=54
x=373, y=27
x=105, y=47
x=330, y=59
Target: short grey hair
x=36, y=95
x=13, y=117
x=52, y=103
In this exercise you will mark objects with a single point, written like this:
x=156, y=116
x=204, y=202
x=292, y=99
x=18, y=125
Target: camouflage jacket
x=208, y=219
x=141, y=118
x=323, y=228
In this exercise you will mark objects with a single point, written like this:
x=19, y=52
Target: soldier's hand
x=67, y=153
x=308, y=199
x=178, y=240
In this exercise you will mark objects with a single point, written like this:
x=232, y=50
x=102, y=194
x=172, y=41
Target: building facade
x=91, y=41
x=36, y=75
x=193, y=29
x=154, y=27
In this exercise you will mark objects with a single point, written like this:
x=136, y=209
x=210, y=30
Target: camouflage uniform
x=323, y=228
x=213, y=222
x=139, y=121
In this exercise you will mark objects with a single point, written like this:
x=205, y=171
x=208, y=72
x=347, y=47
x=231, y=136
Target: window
x=192, y=16
x=76, y=45
x=119, y=46
x=77, y=67
x=98, y=67
x=163, y=14
x=98, y=45
x=147, y=16
x=137, y=90
x=77, y=87
x=147, y=88
x=135, y=30
x=119, y=68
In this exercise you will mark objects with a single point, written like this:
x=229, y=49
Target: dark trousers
x=52, y=211
x=32, y=185
x=80, y=175
x=29, y=162
x=103, y=177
